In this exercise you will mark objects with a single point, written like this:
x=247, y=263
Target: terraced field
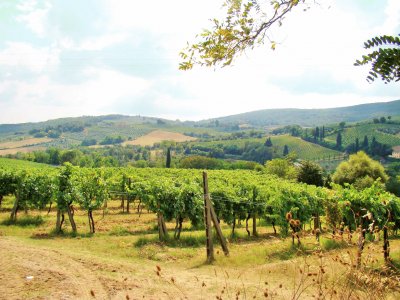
x=303, y=149
x=349, y=135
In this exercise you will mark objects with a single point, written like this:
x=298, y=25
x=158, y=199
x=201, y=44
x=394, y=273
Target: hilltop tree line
x=318, y=134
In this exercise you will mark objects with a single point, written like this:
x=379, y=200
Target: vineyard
x=249, y=206
x=303, y=149
x=350, y=134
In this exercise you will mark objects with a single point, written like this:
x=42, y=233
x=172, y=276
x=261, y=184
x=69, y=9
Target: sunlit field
x=124, y=259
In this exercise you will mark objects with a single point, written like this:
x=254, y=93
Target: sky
x=93, y=57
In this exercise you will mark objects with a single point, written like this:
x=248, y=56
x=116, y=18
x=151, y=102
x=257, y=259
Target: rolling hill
x=313, y=117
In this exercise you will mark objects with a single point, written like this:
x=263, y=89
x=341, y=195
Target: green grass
x=16, y=164
x=24, y=221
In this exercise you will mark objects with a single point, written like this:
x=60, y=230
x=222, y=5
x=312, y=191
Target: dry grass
x=158, y=136
x=24, y=143
x=124, y=260
x=22, y=150
x=24, y=146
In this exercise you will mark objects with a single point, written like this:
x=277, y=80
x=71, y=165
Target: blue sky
x=91, y=57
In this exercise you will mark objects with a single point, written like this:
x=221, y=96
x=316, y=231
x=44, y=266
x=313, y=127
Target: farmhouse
x=396, y=152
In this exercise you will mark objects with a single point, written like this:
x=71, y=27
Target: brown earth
x=158, y=136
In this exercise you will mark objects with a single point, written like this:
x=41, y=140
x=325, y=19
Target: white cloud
x=24, y=55
x=320, y=41
x=392, y=22
x=101, y=42
x=34, y=16
x=44, y=99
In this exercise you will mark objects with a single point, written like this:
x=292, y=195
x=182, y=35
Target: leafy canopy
x=360, y=170
x=245, y=25
x=281, y=167
x=384, y=59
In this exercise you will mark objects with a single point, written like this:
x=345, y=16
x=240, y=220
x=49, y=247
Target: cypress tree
x=339, y=140
x=285, y=150
x=357, y=146
x=168, y=162
x=365, y=143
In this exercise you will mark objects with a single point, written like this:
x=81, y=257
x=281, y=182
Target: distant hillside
x=383, y=133
x=303, y=149
x=313, y=117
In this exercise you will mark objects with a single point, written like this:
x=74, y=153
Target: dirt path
x=38, y=272
x=32, y=272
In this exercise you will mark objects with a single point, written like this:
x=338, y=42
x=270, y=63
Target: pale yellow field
x=22, y=150
x=158, y=136
x=24, y=143
x=24, y=146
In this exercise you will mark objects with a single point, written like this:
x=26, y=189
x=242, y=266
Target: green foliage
x=359, y=170
x=91, y=188
x=384, y=61
x=201, y=162
x=168, y=160
x=66, y=192
x=310, y=173
x=282, y=168
x=7, y=182
x=245, y=25
x=177, y=194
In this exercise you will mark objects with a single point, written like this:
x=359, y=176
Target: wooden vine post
x=210, y=215
x=360, y=245
x=207, y=220
x=386, y=248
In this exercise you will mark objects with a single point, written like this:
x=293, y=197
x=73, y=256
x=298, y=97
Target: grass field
x=21, y=164
x=125, y=260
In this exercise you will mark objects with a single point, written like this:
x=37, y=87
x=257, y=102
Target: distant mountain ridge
x=265, y=117
x=313, y=117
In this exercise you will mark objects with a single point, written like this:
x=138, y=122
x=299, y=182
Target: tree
x=168, y=161
x=339, y=141
x=281, y=167
x=322, y=135
x=285, y=150
x=268, y=142
x=92, y=192
x=245, y=25
x=384, y=60
x=365, y=143
x=316, y=134
x=65, y=196
x=201, y=162
x=360, y=170
x=310, y=173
